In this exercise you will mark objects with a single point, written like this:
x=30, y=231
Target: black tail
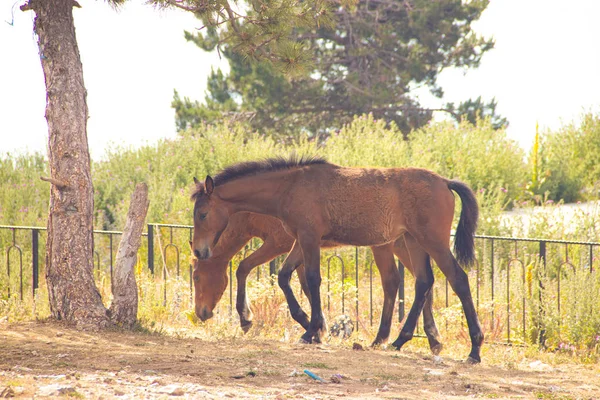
x=464, y=241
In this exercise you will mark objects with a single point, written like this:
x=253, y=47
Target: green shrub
x=477, y=154
x=23, y=196
x=573, y=160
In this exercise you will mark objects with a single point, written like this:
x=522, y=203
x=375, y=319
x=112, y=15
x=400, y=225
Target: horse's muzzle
x=203, y=313
x=203, y=254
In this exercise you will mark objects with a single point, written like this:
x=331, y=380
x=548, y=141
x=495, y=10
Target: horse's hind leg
x=433, y=335
x=431, y=330
x=423, y=282
x=459, y=282
x=390, y=280
x=292, y=261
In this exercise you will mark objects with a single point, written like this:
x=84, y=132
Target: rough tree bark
x=123, y=310
x=69, y=251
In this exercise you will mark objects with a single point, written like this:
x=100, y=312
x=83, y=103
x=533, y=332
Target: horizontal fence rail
x=518, y=284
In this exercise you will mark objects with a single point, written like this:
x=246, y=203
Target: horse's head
x=210, y=282
x=210, y=219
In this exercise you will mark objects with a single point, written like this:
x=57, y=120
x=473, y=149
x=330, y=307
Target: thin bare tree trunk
x=123, y=310
x=69, y=251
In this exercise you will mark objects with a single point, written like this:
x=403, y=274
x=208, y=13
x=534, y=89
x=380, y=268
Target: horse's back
x=368, y=206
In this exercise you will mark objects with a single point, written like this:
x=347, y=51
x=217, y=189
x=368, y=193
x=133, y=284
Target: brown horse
x=317, y=201
x=210, y=275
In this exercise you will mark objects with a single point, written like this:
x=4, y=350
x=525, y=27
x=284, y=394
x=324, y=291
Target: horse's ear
x=209, y=185
x=196, y=181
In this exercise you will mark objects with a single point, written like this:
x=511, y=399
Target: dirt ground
x=50, y=360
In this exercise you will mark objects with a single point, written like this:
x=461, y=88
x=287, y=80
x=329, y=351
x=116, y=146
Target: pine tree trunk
x=123, y=310
x=69, y=250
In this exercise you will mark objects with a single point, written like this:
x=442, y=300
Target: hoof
x=246, y=326
x=306, y=338
x=398, y=343
x=473, y=360
x=437, y=349
x=302, y=341
x=377, y=342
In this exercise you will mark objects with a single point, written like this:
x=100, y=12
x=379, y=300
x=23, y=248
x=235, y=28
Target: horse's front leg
x=268, y=251
x=310, y=245
x=292, y=261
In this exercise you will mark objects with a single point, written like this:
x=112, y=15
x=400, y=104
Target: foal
x=316, y=201
x=210, y=275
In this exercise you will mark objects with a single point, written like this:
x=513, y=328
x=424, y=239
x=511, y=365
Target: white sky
x=545, y=67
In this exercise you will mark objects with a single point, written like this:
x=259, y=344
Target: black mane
x=249, y=168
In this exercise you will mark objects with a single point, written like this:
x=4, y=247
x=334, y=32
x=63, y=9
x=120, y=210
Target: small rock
x=53, y=390
x=539, y=366
x=59, y=334
x=67, y=391
x=357, y=346
x=173, y=390
x=119, y=392
x=437, y=360
x=295, y=373
x=383, y=389
x=18, y=368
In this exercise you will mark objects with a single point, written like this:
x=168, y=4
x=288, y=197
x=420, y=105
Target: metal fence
x=516, y=283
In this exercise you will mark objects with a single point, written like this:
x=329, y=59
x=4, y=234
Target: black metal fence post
x=273, y=270
x=191, y=269
x=151, y=248
x=356, y=282
x=191, y=284
x=35, y=260
x=371, y=291
x=19, y=251
x=492, y=280
x=110, y=249
x=230, y=288
x=541, y=328
x=401, y=292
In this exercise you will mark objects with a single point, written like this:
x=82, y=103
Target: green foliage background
x=480, y=155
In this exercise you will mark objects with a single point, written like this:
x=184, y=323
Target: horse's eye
x=203, y=216
x=196, y=278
